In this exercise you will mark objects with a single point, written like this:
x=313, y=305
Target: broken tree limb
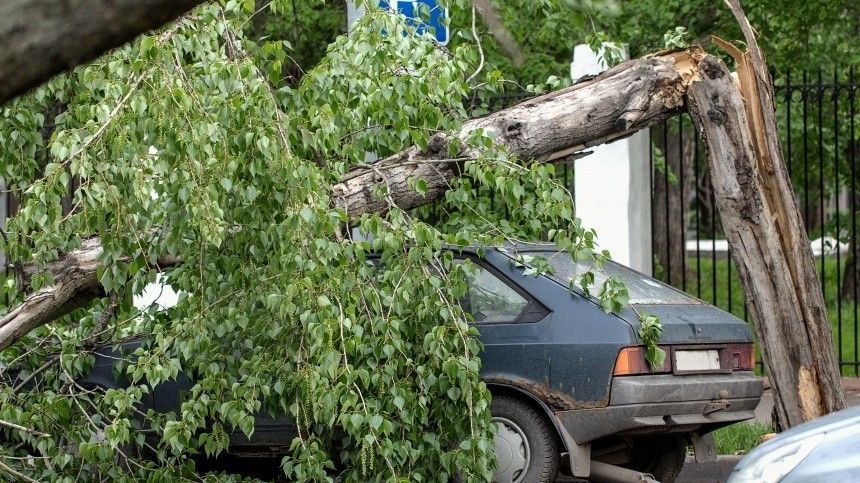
x=616, y=104
x=75, y=284
x=820, y=383
x=42, y=38
x=502, y=35
x=770, y=247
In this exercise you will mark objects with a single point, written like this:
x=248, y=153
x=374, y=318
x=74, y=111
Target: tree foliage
x=794, y=34
x=190, y=143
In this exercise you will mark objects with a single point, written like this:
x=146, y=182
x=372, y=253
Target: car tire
x=527, y=448
x=660, y=456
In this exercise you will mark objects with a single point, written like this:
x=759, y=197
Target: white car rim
x=512, y=452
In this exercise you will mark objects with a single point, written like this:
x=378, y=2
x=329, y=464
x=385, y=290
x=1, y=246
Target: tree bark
x=765, y=229
x=42, y=38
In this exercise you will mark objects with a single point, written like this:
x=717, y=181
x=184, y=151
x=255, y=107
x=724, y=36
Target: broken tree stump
x=770, y=247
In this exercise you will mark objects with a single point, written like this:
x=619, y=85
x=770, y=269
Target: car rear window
x=642, y=288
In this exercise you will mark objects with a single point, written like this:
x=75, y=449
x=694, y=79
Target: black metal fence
x=818, y=120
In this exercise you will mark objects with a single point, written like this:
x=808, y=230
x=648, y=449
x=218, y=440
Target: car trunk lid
x=697, y=323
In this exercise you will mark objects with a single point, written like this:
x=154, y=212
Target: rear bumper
x=667, y=403
x=666, y=388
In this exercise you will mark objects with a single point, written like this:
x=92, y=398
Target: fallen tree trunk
x=75, y=284
x=764, y=227
x=618, y=103
x=42, y=38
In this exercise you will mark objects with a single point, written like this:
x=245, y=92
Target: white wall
x=612, y=185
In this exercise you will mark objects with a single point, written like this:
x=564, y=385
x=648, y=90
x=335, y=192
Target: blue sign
x=424, y=15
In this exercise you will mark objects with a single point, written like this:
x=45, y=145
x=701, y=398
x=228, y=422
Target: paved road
x=716, y=472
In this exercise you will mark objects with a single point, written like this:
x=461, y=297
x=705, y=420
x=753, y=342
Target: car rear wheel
x=661, y=456
x=527, y=449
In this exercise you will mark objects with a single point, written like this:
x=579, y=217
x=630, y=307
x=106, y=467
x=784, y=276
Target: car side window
x=490, y=300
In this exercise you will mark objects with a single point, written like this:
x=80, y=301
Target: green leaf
x=650, y=331
x=375, y=421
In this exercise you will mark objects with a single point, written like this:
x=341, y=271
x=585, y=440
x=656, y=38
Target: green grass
x=728, y=295
x=740, y=438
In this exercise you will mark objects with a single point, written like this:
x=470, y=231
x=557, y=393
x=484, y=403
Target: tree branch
x=11, y=471
x=22, y=428
x=42, y=38
x=616, y=104
x=75, y=284
x=502, y=35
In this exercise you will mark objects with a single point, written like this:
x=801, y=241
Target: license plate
x=702, y=360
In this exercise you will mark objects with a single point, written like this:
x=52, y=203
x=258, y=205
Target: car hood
x=694, y=323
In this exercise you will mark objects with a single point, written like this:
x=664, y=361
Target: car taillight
x=742, y=356
x=631, y=360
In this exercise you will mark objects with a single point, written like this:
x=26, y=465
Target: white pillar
x=354, y=11
x=612, y=185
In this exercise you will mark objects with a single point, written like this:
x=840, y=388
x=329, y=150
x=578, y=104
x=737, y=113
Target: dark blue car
x=571, y=387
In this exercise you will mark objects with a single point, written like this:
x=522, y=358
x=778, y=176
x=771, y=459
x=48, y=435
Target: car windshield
x=643, y=289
